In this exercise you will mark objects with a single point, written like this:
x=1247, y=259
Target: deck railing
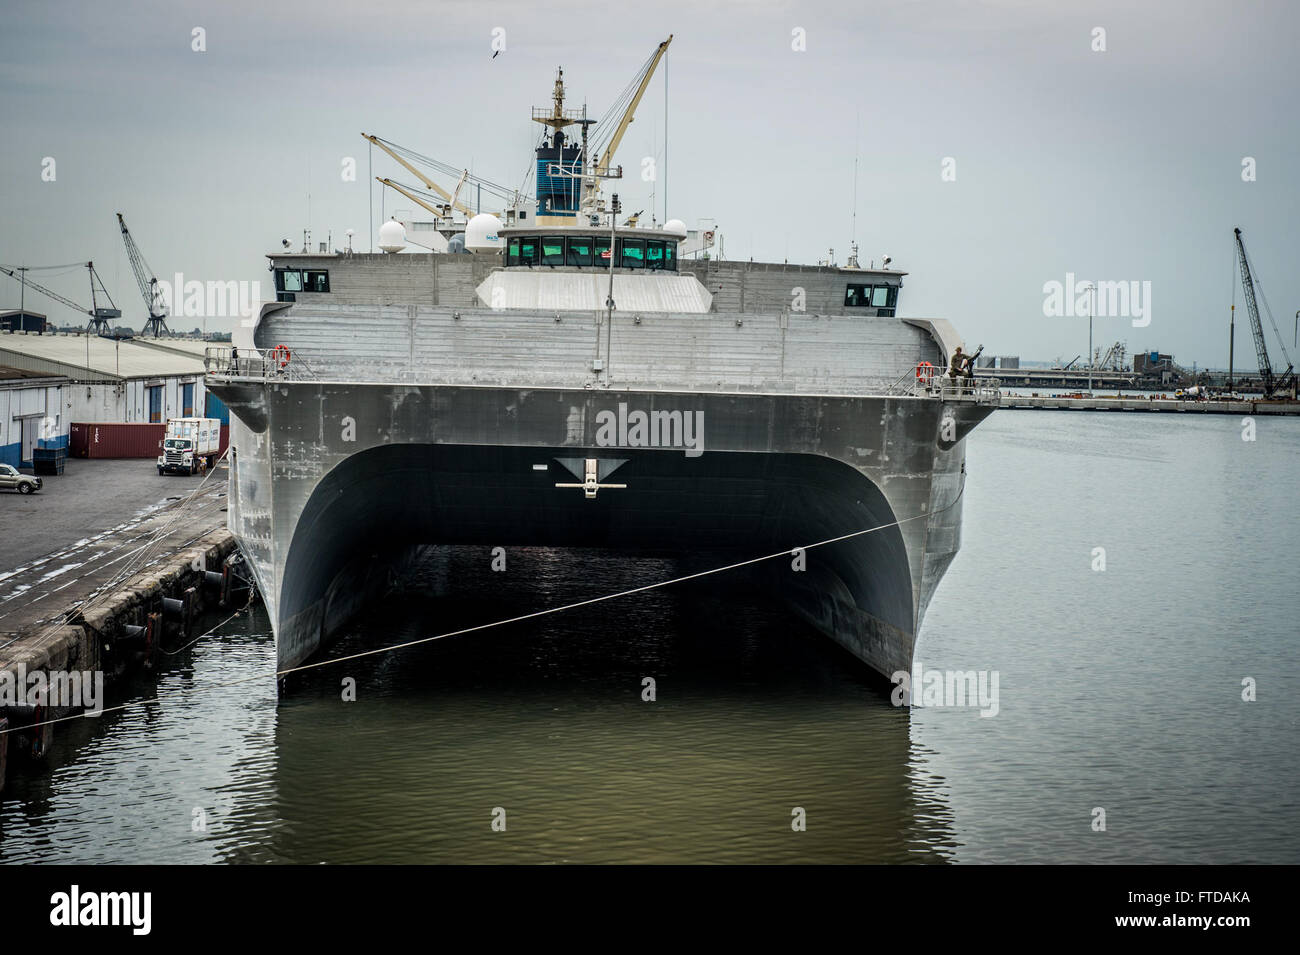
x=270, y=365
x=980, y=390
x=265, y=365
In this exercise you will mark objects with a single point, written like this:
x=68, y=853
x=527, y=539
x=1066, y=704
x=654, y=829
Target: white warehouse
x=109, y=379
x=31, y=409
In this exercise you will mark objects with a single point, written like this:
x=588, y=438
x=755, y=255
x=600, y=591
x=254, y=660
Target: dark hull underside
x=379, y=504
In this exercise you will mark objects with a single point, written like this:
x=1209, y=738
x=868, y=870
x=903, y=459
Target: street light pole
x=1092, y=295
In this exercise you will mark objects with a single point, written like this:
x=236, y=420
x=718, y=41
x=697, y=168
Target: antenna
x=664, y=140
x=856, y=130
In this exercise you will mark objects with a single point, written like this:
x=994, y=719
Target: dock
x=106, y=602
x=1148, y=403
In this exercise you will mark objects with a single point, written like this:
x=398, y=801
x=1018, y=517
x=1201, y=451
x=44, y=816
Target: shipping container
x=216, y=408
x=114, y=439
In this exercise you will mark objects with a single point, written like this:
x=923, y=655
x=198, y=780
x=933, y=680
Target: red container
x=114, y=439
x=225, y=438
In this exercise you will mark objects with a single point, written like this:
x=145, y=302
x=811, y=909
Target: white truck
x=190, y=445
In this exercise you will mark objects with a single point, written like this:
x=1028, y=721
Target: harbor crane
x=156, y=324
x=606, y=145
x=99, y=317
x=452, y=201
x=1273, y=385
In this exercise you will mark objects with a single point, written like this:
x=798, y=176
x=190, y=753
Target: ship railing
x=983, y=391
x=946, y=388
x=260, y=365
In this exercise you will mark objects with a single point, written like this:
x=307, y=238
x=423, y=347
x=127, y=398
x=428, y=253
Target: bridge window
x=528, y=251
x=871, y=296
x=632, y=253
x=602, y=251
x=512, y=252
x=580, y=251
x=298, y=280
x=553, y=250
x=670, y=256
x=654, y=254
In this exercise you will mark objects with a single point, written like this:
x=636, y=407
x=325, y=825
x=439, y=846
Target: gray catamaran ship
x=565, y=377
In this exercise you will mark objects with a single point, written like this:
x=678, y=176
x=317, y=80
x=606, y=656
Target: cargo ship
x=565, y=376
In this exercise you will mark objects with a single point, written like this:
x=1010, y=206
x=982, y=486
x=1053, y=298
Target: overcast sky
x=1117, y=165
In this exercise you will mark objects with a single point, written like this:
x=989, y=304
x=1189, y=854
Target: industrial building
x=31, y=414
x=88, y=378
x=24, y=320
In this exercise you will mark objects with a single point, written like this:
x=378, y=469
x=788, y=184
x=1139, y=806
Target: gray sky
x=1116, y=165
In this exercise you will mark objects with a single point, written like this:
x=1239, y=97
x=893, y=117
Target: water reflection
x=754, y=715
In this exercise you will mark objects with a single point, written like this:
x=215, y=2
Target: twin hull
x=330, y=482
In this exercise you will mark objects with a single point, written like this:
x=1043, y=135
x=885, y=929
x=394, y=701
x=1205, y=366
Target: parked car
x=11, y=479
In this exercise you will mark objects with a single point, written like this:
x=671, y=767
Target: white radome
x=676, y=226
x=392, y=236
x=483, y=233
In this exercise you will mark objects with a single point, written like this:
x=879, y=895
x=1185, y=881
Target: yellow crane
x=602, y=163
x=429, y=184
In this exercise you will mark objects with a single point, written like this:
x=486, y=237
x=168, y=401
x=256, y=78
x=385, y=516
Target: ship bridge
x=577, y=268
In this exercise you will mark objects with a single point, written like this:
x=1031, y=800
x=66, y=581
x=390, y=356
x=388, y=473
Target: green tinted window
x=553, y=250
x=654, y=254
x=602, y=251
x=528, y=251
x=580, y=251
x=633, y=253
x=512, y=252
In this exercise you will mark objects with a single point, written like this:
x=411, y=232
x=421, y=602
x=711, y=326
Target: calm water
x=1118, y=689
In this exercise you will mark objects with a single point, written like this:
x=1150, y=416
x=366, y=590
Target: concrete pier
x=105, y=602
x=1149, y=403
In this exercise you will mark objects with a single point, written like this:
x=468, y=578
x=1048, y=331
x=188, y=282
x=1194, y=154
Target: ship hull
x=334, y=483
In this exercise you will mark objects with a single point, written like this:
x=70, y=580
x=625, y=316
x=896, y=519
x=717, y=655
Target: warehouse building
x=110, y=379
x=31, y=414
x=24, y=320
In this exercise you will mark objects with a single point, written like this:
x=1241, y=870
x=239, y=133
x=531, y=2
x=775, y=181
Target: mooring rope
x=207, y=633
x=522, y=617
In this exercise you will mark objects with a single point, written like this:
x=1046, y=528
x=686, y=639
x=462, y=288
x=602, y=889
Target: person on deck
x=957, y=367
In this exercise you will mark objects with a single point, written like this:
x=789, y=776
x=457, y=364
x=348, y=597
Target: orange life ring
x=924, y=371
x=280, y=355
